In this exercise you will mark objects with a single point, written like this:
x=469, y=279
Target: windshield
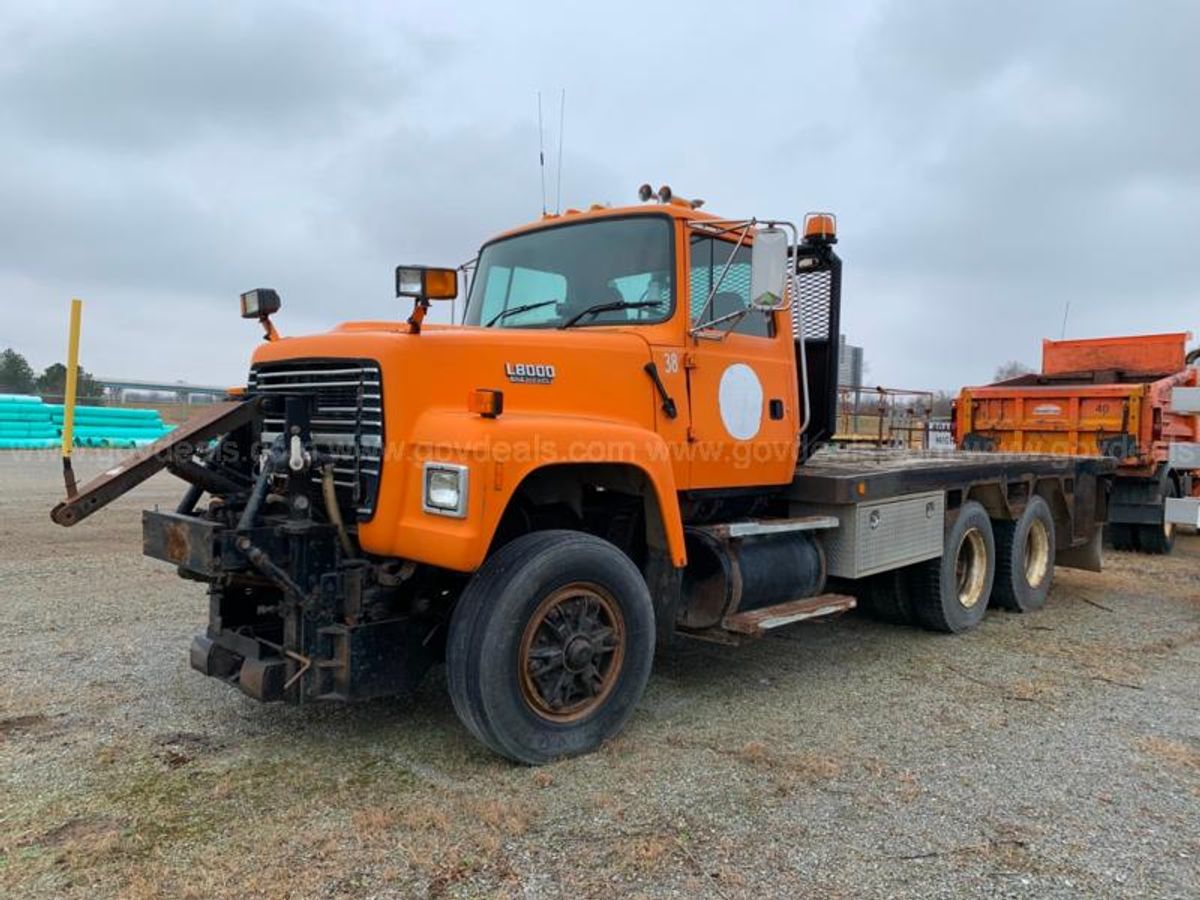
x=547, y=278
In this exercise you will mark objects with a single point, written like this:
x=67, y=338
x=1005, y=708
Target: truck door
x=743, y=416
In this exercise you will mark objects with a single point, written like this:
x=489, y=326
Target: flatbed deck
x=837, y=475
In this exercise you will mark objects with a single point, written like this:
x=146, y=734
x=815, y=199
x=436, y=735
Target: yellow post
x=68, y=435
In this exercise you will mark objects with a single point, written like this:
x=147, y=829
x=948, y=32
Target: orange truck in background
x=619, y=444
x=1135, y=399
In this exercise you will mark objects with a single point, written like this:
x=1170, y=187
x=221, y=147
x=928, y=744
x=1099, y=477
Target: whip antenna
x=562, y=108
x=542, y=153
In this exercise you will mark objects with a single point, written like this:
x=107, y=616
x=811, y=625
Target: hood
x=579, y=372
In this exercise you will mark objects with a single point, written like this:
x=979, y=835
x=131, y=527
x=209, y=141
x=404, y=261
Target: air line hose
x=334, y=511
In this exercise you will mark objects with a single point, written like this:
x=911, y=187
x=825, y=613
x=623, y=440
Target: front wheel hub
x=571, y=652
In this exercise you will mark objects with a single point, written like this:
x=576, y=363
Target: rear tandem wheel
x=1159, y=539
x=1025, y=558
x=951, y=593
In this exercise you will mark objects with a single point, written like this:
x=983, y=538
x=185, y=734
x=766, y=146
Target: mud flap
x=1089, y=556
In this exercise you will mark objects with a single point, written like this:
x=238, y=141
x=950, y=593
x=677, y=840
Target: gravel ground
x=1056, y=754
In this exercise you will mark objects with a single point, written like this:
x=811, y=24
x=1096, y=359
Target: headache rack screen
x=816, y=315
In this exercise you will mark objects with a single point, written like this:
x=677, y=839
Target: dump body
x=1106, y=397
x=1118, y=397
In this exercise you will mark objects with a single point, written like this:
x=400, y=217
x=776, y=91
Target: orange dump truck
x=1134, y=399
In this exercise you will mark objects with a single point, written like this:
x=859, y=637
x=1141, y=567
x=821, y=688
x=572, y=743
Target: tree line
x=18, y=377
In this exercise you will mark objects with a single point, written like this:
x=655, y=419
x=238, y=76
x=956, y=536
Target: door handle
x=668, y=405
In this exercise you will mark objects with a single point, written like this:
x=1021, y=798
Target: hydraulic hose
x=259, y=492
x=334, y=511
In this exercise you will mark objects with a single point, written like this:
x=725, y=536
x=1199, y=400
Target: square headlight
x=445, y=489
x=410, y=282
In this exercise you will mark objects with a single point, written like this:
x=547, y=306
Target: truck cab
x=619, y=337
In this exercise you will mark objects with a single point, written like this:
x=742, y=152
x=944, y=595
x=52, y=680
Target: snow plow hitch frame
x=175, y=452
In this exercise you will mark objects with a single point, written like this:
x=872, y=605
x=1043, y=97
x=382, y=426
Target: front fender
x=499, y=454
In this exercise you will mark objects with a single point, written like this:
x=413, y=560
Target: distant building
x=850, y=364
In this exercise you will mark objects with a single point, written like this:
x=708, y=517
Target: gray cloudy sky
x=988, y=161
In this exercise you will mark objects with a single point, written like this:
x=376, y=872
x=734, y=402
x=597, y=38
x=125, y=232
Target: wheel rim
x=970, y=568
x=1037, y=553
x=571, y=652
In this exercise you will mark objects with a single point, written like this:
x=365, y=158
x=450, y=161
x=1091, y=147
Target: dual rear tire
x=1025, y=559
x=951, y=593
x=1008, y=564
x=1157, y=539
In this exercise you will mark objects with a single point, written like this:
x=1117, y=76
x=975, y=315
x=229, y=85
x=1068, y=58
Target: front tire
x=550, y=646
x=951, y=593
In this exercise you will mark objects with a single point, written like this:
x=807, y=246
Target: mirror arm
x=729, y=262
x=737, y=315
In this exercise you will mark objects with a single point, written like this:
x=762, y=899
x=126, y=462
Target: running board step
x=758, y=527
x=755, y=622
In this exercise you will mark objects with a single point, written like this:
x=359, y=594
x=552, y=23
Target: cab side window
x=709, y=256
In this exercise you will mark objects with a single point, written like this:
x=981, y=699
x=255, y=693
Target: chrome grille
x=347, y=420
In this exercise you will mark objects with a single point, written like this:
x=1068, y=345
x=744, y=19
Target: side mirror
x=768, y=269
x=425, y=283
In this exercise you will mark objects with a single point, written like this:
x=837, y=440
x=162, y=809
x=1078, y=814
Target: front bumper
x=326, y=627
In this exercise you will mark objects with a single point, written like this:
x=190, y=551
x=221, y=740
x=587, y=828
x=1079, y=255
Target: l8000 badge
x=529, y=373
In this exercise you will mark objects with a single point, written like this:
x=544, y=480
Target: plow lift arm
x=173, y=452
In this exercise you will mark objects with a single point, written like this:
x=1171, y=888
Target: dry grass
x=909, y=787
x=651, y=851
x=510, y=816
x=372, y=821
x=160, y=825
x=426, y=816
x=788, y=771
x=1174, y=753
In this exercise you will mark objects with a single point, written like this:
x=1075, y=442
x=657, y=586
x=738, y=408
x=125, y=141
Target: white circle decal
x=741, y=399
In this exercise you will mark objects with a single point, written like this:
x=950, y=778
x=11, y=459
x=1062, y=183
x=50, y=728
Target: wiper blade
x=609, y=307
x=505, y=313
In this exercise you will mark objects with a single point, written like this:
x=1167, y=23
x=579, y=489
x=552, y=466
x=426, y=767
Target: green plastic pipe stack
x=103, y=426
x=26, y=423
